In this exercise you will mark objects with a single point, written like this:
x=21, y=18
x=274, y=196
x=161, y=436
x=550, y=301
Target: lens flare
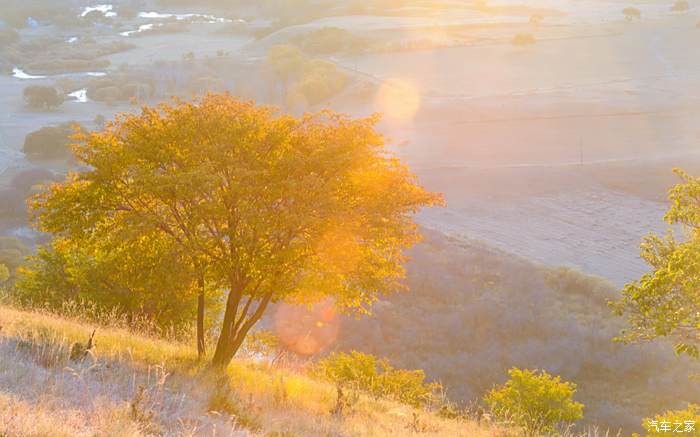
x=307, y=330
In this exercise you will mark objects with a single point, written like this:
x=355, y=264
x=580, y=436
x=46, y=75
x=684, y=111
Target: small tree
x=523, y=39
x=42, y=97
x=666, y=301
x=632, y=13
x=535, y=400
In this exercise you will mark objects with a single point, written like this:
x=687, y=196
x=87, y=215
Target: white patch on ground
x=20, y=74
x=197, y=17
x=142, y=28
x=72, y=39
x=80, y=96
x=106, y=9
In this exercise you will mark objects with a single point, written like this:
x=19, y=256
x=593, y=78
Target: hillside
x=473, y=312
x=133, y=385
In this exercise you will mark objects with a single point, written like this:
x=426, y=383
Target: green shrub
x=377, y=377
x=4, y=273
x=679, y=421
x=12, y=253
x=535, y=401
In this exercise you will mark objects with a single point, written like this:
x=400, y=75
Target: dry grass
x=131, y=385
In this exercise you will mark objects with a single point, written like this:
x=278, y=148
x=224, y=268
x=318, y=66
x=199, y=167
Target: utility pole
x=580, y=150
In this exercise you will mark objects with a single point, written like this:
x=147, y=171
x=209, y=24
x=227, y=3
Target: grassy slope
x=43, y=393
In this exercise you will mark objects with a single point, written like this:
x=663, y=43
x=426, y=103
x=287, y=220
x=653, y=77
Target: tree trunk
x=233, y=331
x=226, y=335
x=201, y=347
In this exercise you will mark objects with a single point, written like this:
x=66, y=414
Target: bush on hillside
x=4, y=274
x=320, y=80
x=632, y=13
x=535, y=401
x=42, y=97
x=365, y=372
x=284, y=61
x=49, y=142
x=680, y=6
x=523, y=39
x=12, y=253
x=685, y=421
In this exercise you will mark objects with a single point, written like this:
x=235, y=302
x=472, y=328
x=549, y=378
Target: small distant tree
x=49, y=142
x=680, y=6
x=523, y=39
x=666, y=301
x=535, y=401
x=632, y=13
x=42, y=97
x=319, y=81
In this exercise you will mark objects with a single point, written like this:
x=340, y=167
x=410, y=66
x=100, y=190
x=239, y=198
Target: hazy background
x=551, y=154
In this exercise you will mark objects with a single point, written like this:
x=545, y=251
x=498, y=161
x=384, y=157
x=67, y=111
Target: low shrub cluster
x=523, y=39
x=306, y=81
x=359, y=371
x=535, y=401
x=49, y=142
x=120, y=88
x=42, y=97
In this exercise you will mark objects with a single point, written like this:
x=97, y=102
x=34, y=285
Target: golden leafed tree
x=265, y=206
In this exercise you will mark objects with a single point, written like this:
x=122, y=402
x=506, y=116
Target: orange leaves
x=306, y=207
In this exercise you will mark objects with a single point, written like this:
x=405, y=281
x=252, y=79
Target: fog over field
x=550, y=126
